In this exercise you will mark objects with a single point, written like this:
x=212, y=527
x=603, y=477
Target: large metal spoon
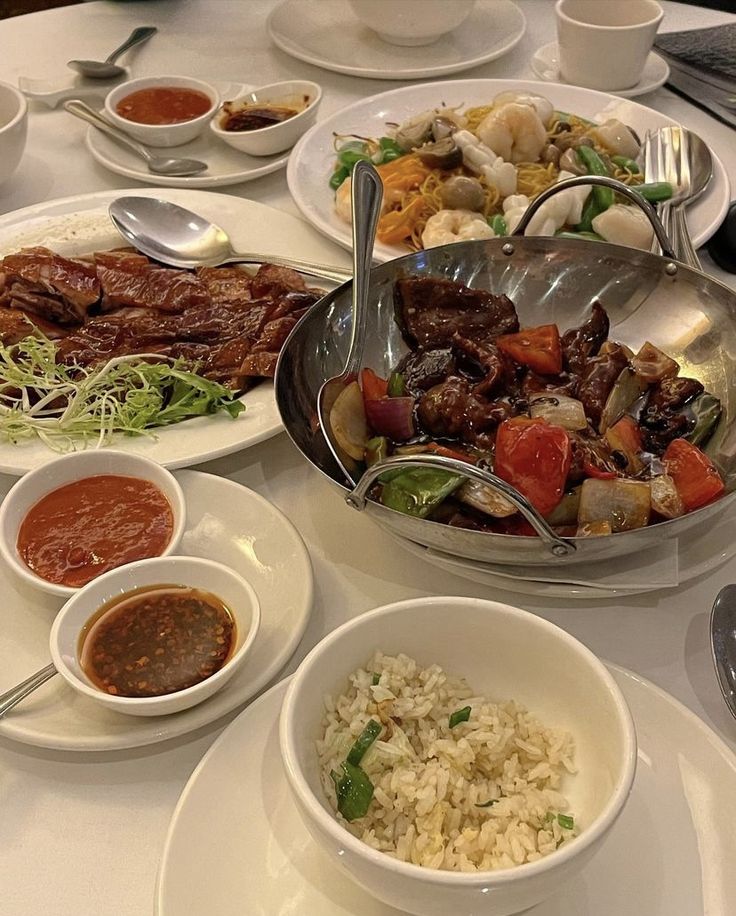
x=367, y=192
x=689, y=169
x=107, y=69
x=174, y=235
x=723, y=643
x=159, y=165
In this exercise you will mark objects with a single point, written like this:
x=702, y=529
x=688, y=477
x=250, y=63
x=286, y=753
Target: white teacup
x=411, y=22
x=13, y=129
x=604, y=44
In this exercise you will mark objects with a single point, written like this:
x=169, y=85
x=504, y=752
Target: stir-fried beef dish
x=598, y=438
x=227, y=322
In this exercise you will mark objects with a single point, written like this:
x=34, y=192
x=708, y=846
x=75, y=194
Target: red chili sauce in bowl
x=156, y=640
x=85, y=528
x=163, y=105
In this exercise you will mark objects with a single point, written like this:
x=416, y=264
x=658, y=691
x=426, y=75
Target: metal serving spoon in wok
x=174, y=235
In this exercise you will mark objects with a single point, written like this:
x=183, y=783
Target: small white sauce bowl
x=31, y=488
x=13, y=129
x=161, y=135
x=504, y=654
x=193, y=572
x=267, y=141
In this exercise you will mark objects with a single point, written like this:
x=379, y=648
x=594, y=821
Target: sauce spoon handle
x=13, y=696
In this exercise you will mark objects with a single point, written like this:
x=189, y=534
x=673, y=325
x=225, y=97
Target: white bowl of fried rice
x=456, y=755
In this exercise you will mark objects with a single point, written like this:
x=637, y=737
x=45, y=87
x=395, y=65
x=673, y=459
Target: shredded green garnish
x=488, y=804
x=565, y=821
x=364, y=740
x=375, y=679
x=57, y=403
x=460, y=715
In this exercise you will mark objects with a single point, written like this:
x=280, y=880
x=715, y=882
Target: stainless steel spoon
x=12, y=697
x=108, y=69
x=159, y=165
x=176, y=236
x=723, y=643
x=367, y=192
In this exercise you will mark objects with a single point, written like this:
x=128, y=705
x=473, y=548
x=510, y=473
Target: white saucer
x=546, y=65
x=237, y=845
x=225, y=522
x=227, y=166
x=328, y=35
x=703, y=549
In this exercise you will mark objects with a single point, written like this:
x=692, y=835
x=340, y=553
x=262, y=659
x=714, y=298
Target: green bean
x=396, y=385
x=338, y=176
x=594, y=165
x=390, y=150
x=498, y=224
x=624, y=162
x=655, y=192
x=590, y=211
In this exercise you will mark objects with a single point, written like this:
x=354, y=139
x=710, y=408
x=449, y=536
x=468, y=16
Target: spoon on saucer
x=107, y=69
x=159, y=165
x=723, y=643
x=174, y=235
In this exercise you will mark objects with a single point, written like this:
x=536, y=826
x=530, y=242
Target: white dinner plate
x=77, y=225
x=237, y=847
x=700, y=550
x=546, y=65
x=313, y=158
x=226, y=166
x=225, y=522
x=328, y=35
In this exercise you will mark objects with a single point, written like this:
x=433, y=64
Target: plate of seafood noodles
x=462, y=159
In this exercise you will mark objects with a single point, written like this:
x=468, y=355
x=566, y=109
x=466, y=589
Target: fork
x=666, y=158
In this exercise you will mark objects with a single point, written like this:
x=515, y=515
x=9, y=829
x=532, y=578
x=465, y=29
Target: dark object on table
x=722, y=247
x=703, y=68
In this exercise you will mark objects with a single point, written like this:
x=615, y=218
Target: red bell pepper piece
x=534, y=456
x=373, y=386
x=538, y=348
x=696, y=479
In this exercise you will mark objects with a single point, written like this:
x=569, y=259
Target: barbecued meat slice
x=579, y=344
x=600, y=376
x=162, y=288
x=226, y=284
x=432, y=311
x=55, y=288
x=271, y=280
x=15, y=325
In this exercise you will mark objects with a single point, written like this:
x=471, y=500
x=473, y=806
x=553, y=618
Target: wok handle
x=357, y=498
x=619, y=187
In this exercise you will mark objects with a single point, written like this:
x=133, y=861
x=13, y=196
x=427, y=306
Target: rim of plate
x=320, y=214
x=510, y=9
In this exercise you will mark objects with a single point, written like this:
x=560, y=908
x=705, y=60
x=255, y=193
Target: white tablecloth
x=83, y=834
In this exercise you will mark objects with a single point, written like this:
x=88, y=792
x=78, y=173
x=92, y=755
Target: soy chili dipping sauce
x=85, y=528
x=163, y=105
x=156, y=640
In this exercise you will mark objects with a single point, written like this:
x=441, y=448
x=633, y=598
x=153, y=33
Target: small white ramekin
x=161, y=135
x=267, y=141
x=195, y=572
x=28, y=490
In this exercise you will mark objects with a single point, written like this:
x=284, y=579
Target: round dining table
x=82, y=833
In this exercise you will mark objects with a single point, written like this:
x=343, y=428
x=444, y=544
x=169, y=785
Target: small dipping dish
x=268, y=120
x=163, y=651
x=44, y=524
x=162, y=111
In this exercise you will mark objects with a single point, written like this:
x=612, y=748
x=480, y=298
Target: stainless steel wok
x=687, y=314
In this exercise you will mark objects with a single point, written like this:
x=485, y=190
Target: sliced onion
x=566, y=510
x=665, y=498
x=485, y=499
x=559, y=410
x=392, y=417
x=651, y=364
x=624, y=504
x=626, y=390
x=348, y=421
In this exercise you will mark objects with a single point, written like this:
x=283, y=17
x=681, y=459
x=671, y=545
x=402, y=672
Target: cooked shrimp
x=514, y=132
x=542, y=106
x=448, y=226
